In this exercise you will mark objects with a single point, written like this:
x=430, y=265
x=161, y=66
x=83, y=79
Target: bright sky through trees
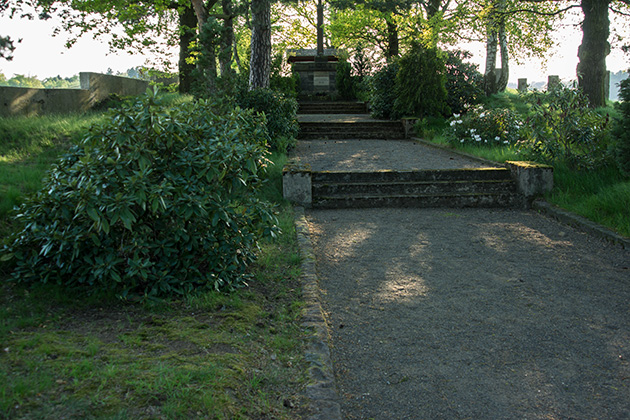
x=42, y=55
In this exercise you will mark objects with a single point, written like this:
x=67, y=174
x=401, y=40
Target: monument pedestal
x=318, y=72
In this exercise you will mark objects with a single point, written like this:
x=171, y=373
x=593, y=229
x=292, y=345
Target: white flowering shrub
x=485, y=127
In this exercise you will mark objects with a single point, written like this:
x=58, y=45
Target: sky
x=42, y=55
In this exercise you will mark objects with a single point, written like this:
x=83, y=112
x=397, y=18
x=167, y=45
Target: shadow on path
x=473, y=314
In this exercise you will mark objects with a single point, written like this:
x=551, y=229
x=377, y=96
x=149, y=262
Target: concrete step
x=384, y=176
x=485, y=187
x=421, y=201
x=332, y=108
x=389, y=130
x=414, y=188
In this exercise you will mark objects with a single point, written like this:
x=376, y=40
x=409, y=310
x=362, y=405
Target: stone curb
x=321, y=389
x=580, y=223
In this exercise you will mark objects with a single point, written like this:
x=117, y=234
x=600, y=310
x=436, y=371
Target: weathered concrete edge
x=580, y=223
x=321, y=389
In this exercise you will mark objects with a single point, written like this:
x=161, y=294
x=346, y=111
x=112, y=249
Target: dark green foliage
x=287, y=85
x=345, y=81
x=420, y=84
x=383, y=91
x=281, y=113
x=156, y=201
x=464, y=84
x=113, y=100
x=430, y=127
x=562, y=127
x=622, y=128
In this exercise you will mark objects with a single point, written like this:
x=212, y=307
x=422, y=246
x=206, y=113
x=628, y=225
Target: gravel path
x=470, y=313
x=370, y=155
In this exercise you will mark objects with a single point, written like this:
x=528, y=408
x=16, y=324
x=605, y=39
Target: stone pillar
x=522, y=85
x=553, y=81
x=532, y=179
x=297, y=183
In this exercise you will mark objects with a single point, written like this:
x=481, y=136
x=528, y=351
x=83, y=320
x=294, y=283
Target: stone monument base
x=318, y=73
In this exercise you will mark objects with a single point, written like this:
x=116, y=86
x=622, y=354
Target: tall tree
x=260, y=61
x=591, y=69
x=496, y=41
x=510, y=29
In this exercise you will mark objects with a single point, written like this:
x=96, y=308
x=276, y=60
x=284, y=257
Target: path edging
x=580, y=223
x=321, y=389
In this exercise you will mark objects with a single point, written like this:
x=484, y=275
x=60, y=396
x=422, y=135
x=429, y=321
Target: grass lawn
x=213, y=356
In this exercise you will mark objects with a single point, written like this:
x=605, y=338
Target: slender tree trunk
x=187, y=33
x=496, y=40
x=490, y=75
x=591, y=70
x=393, y=48
x=505, y=59
x=260, y=62
x=227, y=40
x=200, y=11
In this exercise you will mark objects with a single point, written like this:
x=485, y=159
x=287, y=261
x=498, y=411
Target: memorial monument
x=317, y=68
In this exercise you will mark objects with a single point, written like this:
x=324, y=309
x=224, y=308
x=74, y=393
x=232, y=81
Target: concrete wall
x=95, y=87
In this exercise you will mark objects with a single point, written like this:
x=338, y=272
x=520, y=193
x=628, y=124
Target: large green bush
x=562, y=127
x=383, y=91
x=345, y=82
x=156, y=201
x=464, y=83
x=421, y=84
x=280, y=111
x=622, y=128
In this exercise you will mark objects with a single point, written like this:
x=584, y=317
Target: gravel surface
x=467, y=313
x=370, y=155
x=473, y=314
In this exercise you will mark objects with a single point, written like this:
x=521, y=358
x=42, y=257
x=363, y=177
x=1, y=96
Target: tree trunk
x=260, y=61
x=187, y=33
x=505, y=59
x=496, y=39
x=227, y=40
x=200, y=11
x=393, y=49
x=490, y=75
x=591, y=70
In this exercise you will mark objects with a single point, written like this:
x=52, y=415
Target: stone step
x=414, y=188
x=388, y=176
x=351, y=130
x=332, y=108
x=483, y=187
x=504, y=200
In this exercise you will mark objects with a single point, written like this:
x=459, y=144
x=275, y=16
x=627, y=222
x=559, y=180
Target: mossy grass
x=71, y=354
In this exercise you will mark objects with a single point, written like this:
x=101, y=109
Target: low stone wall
x=95, y=87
